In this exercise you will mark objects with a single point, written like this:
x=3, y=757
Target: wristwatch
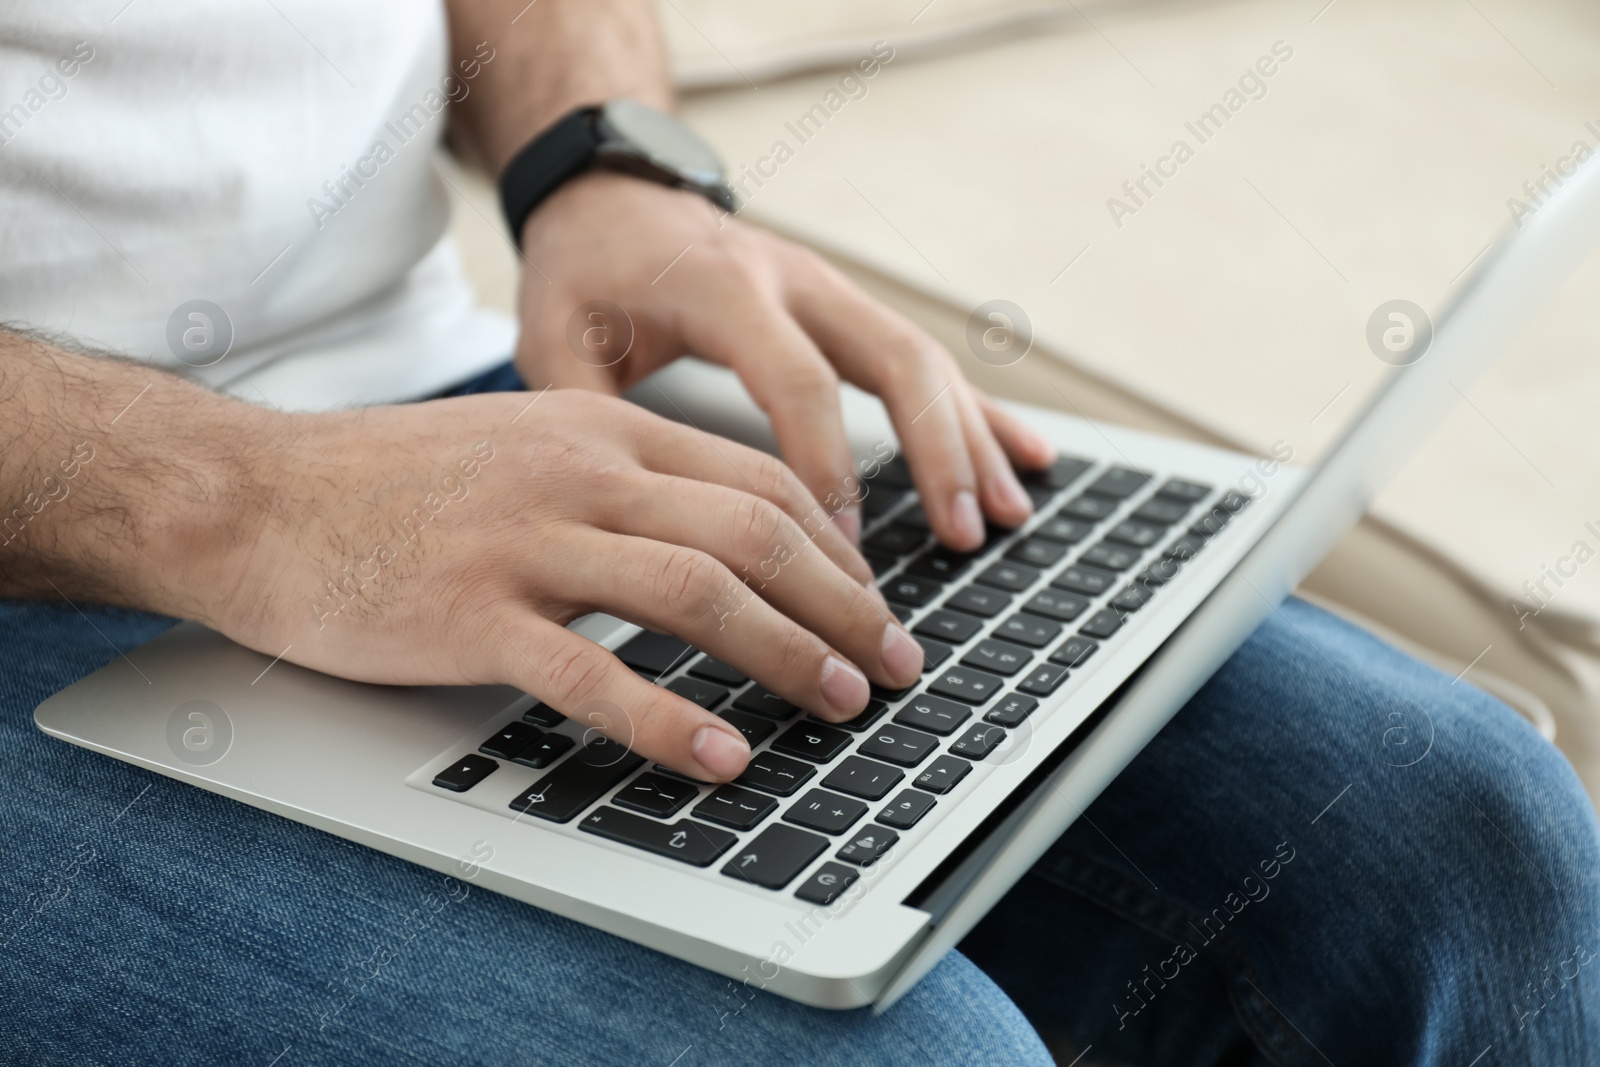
x=620, y=135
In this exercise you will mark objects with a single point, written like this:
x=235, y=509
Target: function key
x=465, y=773
x=1056, y=604
x=1036, y=552
x=812, y=741
x=772, y=773
x=828, y=812
x=910, y=590
x=738, y=808
x=1118, y=483
x=830, y=881
x=1001, y=657
x=1029, y=630
x=1089, y=507
x=513, y=739
x=896, y=540
x=543, y=715
x=714, y=670
x=1074, y=651
x=756, y=728
x=978, y=742
x=966, y=684
x=898, y=745
x=933, y=714
x=1068, y=531
x=1162, y=510
x=776, y=855
x=863, y=778
x=1137, y=534
x=874, y=709
x=868, y=846
x=654, y=794
x=1011, y=710
x=1043, y=680
x=1103, y=623
x=1111, y=556
x=1188, y=492
x=685, y=841
x=763, y=701
x=941, y=563
x=948, y=626
x=653, y=654
x=984, y=603
x=1091, y=581
x=544, y=750
x=578, y=782
x=906, y=809
x=1014, y=577
x=942, y=774
x=699, y=692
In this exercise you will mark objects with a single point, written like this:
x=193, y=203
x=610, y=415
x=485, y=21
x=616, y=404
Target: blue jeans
x=1333, y=854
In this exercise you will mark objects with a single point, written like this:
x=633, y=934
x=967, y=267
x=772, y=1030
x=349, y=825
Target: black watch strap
x=557, y=154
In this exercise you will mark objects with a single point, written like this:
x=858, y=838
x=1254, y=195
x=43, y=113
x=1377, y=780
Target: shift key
x=578, y=782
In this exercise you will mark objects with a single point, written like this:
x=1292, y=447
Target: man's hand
x=786, y=321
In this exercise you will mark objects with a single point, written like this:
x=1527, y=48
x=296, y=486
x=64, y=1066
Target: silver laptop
x=848, y=858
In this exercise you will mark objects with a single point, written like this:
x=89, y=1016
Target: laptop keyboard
x=1001, y=628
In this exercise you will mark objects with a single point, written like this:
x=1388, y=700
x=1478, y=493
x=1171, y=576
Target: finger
x=999, y=490
x=1027, y=448
x=774, y=558
x=794, y=384
x=588, y=684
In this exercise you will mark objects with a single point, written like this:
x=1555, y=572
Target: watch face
x=663, y=141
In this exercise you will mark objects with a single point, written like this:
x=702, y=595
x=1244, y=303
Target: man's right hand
x=449, y=542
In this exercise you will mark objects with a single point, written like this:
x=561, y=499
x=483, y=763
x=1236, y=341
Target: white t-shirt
x=274, y=160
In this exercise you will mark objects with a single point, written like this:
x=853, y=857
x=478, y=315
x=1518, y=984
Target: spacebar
x=578, y=782
x=684, y=840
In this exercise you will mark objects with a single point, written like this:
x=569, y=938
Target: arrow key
x=776, y=855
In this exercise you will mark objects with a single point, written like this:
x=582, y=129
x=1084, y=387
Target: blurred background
x=1336, y=156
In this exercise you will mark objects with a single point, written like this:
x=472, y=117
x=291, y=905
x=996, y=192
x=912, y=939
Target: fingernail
x=843, y=686
x=902, y=656
x=968, y=519
x=849, y=523
x=722, y=753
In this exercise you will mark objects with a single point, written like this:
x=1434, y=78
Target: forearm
x=119, y=483
x=557, y=55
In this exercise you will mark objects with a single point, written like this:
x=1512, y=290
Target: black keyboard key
x=1074, y=651
x=1043, y=680
x=933, y=652
x=914, y=517
x=826, y=886
x=1118, y=482
x=1162, y=510
x=1185, y=548
x=901, y=612
x=1091, y=581
x=763, y=701
x=685, y=841
x=695, y=691
x=966, y=684
x=896, y=540
x=653, y=654
x=874, y=710
x=655, y=794
x=1137, y=534
x=741, y=809
x=828, y=812
x=1233, y=502
x=1132, y=598
x=948, y=626
x=776, y=855
x=578, y=782
x=1210, y=524
x=1065, y=529
x=898, y=745
x=1111, y=557
x=465, y=773
x=906, y=810
x=868, y=845
x=714, y=670
x=1011, y=711
x=1188, y=492
x=1012, y=577
x=1089, y=507
x=910, y=590
x=880, y=500
x=1103, y=623
x=863, y=778
x=543, y=715
x=1060, y=474
x=1028, y=630
x=544, y=751
x=510, y=741
x=941, y=564
x=895, y=473
x=942, y=774
x=1036, y=552
x=933, y=714
x=879, y=563
x=772, y=773
x=812, y=741
x=1159, y=573
x=1056, y=604
x=756, y=728
x=978, y=742
x=984, y=603
x=1001, y=657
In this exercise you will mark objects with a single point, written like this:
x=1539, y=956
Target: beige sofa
x=1228, y=302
